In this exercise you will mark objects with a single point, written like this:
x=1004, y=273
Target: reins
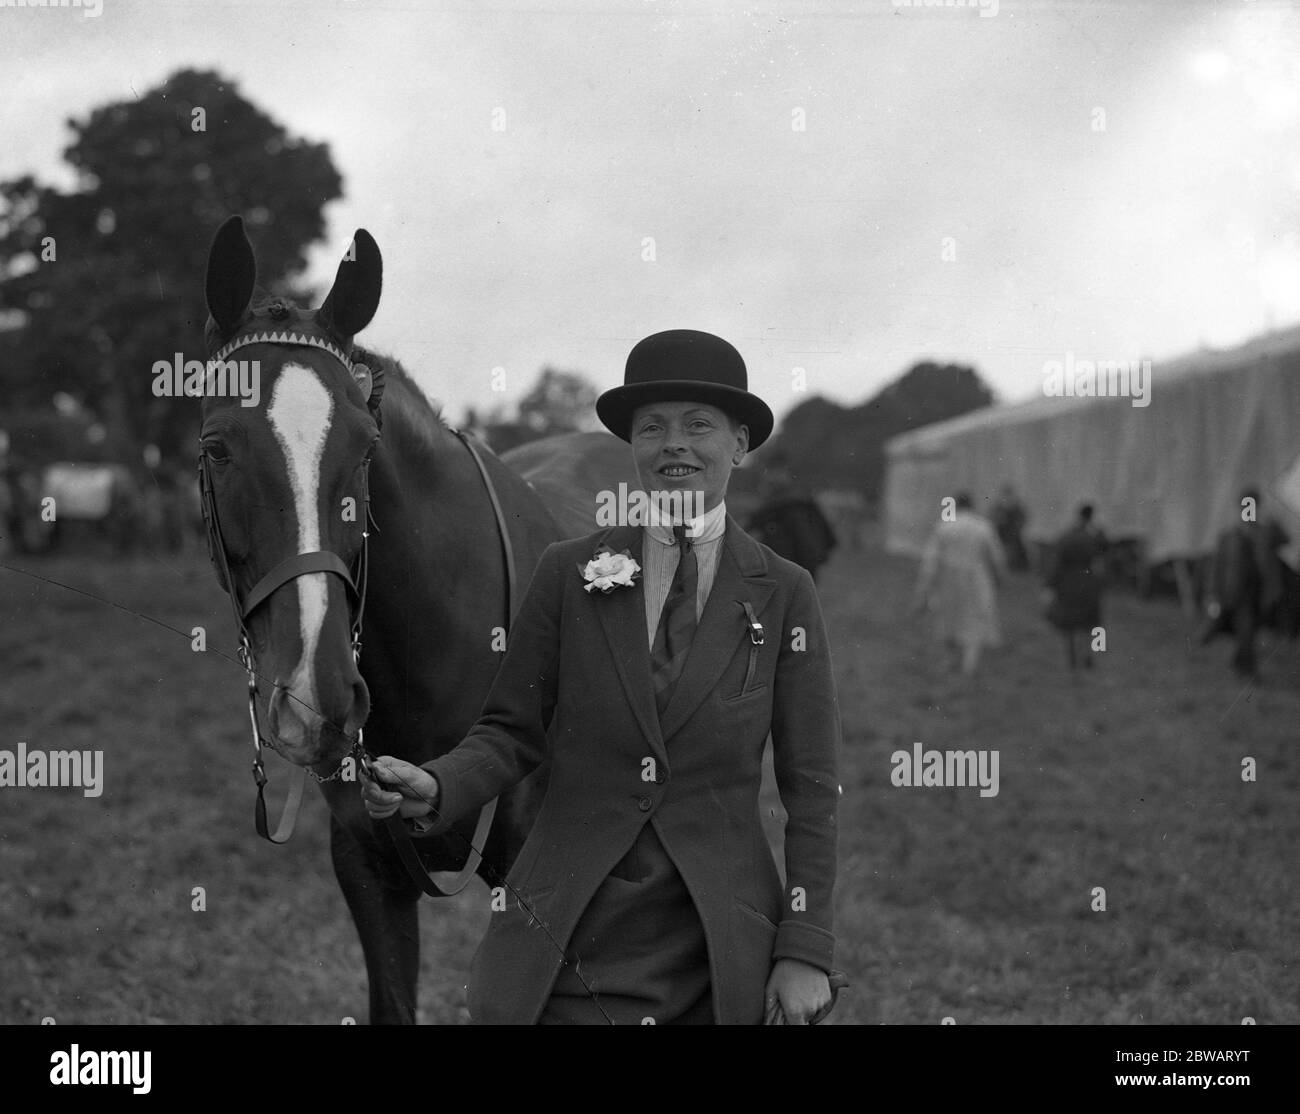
x=396, y=827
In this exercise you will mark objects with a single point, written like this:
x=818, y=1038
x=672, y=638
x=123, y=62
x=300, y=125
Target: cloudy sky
x=842, y=186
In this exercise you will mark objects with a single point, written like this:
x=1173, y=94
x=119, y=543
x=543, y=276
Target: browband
x=283, y=337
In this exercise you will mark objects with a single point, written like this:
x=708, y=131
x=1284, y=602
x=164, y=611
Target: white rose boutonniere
x=607, y=570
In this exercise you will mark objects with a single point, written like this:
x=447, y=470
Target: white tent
x=1168, y=474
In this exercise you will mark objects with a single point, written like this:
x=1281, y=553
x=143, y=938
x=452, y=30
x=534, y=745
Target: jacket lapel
x=740, y=578
x=622, y=618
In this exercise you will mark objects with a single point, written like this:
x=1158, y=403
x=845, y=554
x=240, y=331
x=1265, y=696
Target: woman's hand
x=415, y=789
x=795, y=992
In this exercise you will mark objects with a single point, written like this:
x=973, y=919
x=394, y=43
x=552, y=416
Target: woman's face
x=686, y=447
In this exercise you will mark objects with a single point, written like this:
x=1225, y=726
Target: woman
x=961, y=567
x=647, y=665
x=1075, y=581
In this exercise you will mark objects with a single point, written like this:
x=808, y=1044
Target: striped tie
x=676, y=624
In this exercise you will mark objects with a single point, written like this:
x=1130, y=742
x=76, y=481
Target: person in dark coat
x=1075, y=580
x=1009, y=520
x=649, y=663
x=791, y=524
x=1247, y=581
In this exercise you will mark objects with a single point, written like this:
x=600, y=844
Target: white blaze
x=299, y=415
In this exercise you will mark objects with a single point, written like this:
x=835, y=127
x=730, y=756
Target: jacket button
x=644, y=804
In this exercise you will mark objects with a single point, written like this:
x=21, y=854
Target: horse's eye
x=216, y=452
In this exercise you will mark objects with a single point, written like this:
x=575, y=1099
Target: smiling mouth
x=677, y=471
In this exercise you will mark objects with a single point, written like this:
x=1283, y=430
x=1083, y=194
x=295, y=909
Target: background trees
x=98, y=282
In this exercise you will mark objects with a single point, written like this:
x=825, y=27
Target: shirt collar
x=706, y=528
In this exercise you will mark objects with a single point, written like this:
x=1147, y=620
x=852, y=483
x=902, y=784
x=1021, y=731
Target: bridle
x=282, y=574
x=355, y=579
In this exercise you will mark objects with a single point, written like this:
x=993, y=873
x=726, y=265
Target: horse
x=794, y=527
x=575, y=475
x=344, y=488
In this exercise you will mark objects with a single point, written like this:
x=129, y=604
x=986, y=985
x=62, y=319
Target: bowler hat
x=683, y=365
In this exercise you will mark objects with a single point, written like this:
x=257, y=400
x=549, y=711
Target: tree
x=929, y=393
x=99, y=283
x=825, y=445
x=559, y=402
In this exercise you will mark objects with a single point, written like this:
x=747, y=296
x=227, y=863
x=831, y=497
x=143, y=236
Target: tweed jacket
x=574, y=688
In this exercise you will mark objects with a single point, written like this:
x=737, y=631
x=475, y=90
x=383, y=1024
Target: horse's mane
x=409, y=415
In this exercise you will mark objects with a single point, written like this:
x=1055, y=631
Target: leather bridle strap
x=288, y=570
x=320, y=561
x=288, y=815
x=283, y=573
x=397, y=829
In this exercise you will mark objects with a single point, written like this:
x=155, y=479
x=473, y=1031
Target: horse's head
x=287, y=478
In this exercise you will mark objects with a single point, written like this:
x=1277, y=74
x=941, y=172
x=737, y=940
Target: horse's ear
x=353, y=299
x=232, y=274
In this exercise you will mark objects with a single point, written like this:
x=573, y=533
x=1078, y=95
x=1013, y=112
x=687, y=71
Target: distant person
x=32, y=533
x=1075, y=580
x=153, y=513
x=1009, y=520
x=8, y=517
x=175, y=488
x=961, y=567
x=1246, y=581
x=791, y=523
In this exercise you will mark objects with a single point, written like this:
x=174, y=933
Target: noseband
x=282, y=574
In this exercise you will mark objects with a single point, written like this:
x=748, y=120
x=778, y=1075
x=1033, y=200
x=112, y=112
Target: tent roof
x=1205, y=361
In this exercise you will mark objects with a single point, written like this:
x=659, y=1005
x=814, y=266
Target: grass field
x=949, y=904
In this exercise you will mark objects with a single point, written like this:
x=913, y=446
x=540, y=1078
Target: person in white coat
x=961, y=568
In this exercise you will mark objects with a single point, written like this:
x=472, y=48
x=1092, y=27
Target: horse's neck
x=432, y=582
x=419, y=483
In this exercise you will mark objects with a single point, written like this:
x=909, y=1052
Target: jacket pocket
x=756, y=639
x=762, y=917
x=748, y=688
x=744, y=697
